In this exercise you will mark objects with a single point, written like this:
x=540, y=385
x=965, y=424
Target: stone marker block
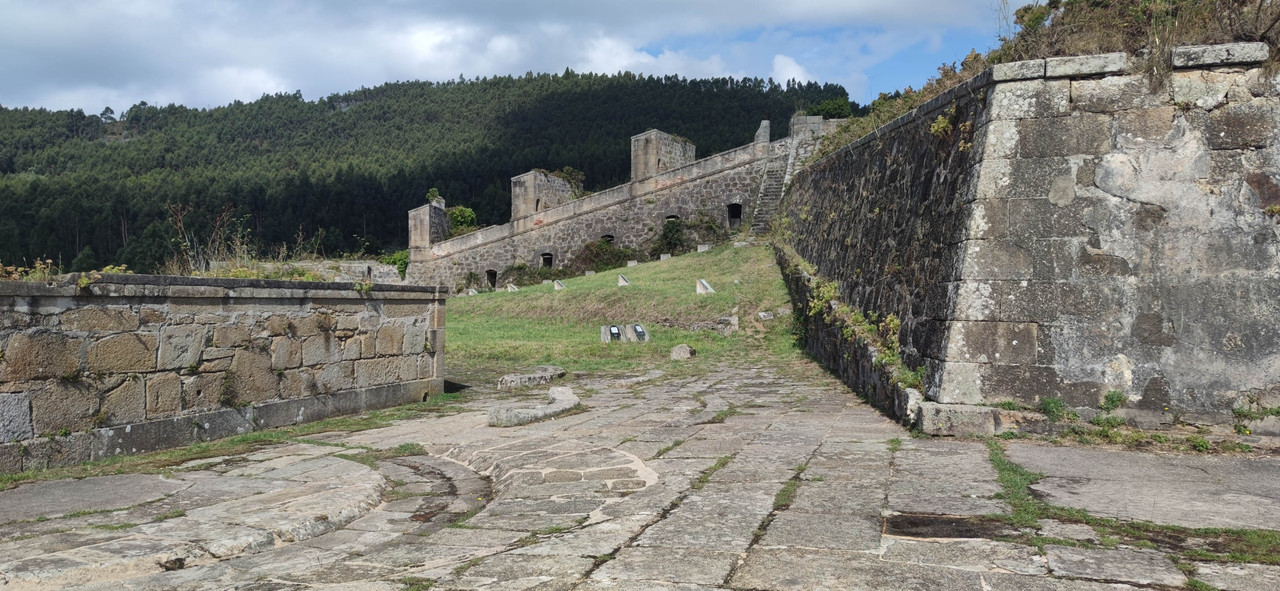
x=623, y=281
x=765, y=315
x=636, y=333
x=472, y=292
x=682, y=351
x=512, y=287
x=589, y=273
x=1191, y=56
x=632, y=263
x=546, y=281
x=741, y=244
x=704, y=287
x=15, y=417
x=558, y=285
x=704, y=247
x=727, y=324
x=663, y=257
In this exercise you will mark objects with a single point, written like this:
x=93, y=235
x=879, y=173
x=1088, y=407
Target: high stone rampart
x=1056, y=229
x=670, y=183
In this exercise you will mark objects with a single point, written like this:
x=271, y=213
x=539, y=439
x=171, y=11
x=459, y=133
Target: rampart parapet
x=551, y=219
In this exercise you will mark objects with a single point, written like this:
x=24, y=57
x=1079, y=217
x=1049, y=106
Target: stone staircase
x=769, y=200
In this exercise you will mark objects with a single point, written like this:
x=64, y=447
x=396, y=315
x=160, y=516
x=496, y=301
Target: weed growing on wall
x=521, y=274
x=602, y=255
x=400, y=259
x=229, y=392
x=671, y=240
x=856, y=327
x=40, y=270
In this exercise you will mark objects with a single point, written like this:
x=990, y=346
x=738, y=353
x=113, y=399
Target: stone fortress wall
x=1067, y=232
x=133, y=363
x=666, y=181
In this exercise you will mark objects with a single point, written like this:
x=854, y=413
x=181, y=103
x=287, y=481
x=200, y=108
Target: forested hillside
x=342, y=171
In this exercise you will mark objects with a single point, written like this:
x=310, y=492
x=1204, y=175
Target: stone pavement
x=744, y=478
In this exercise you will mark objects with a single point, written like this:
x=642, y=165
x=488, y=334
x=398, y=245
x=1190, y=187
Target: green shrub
x=831, y=109
x=400, y=259
x=1107, y=421
x=602, y=255
x=1113, y=400
x=1053, y=408
x=671, y=240
x=461, y=216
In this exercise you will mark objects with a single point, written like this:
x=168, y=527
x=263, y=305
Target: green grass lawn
x=504, y=331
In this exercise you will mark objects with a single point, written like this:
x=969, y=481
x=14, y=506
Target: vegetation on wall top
x=1057, y=28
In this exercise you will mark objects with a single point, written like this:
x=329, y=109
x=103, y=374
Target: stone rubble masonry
x=666, y=181
x=1067, y=232
x=344, y=271
x=136, y=363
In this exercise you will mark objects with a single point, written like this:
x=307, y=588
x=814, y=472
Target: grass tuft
x=664, y=450
x=705, y=477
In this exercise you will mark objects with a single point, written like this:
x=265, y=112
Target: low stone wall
x=134, y=363
x=850, y=358
x=1054, y=228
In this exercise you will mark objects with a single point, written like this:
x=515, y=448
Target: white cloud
x=786, y=68
x=228, y=83
x=83, y=53
x=609, y=55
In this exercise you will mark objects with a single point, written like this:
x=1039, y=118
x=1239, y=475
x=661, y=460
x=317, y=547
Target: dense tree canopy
x=345, y=169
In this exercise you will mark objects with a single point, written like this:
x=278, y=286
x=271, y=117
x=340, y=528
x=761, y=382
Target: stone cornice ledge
x=1188, y=56
x=211, y=287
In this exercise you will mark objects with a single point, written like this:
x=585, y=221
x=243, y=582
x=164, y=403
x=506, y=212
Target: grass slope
x=504, y=331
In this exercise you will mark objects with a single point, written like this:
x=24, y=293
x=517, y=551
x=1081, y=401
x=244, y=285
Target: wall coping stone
x=176, y=286
x=1191, y=56
x=1187, y=56
x=1086, y=65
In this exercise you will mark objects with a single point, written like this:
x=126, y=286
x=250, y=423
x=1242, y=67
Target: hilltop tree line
x=339, y=174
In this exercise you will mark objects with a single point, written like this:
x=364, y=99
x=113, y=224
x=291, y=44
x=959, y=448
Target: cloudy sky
x=89, y=54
